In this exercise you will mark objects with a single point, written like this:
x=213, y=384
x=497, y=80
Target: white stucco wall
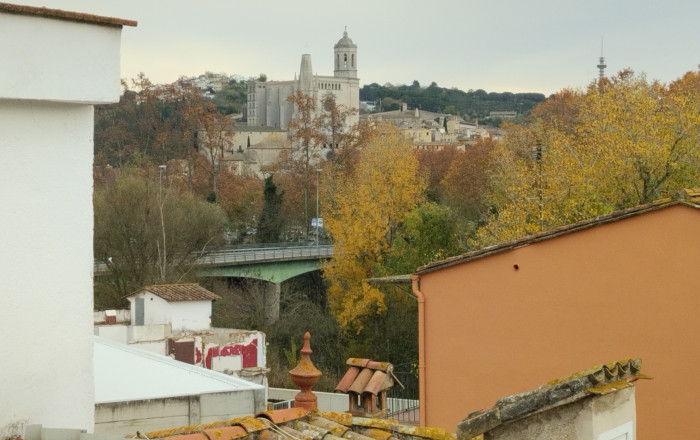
x=46, y=263
x=156, y=309
x=51, y=71
x=190, y=315
x=63, y=61
x=154, y=414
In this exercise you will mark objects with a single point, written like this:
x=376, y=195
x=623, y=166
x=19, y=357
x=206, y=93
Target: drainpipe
x=415, y=284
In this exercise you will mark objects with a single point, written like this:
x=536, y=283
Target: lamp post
x=161, y=170
x=318, y=171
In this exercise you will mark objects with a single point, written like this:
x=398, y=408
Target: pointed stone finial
x=305, y=375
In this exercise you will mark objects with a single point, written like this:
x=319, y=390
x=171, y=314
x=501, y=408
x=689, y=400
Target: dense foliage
x=473, y=104
x=620, y=142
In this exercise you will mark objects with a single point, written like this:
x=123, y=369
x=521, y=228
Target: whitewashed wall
x=156, y=310
x=46, y=222
x=190, y=315
x=58, y=60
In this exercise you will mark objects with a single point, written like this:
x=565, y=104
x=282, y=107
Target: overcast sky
x=495, y=45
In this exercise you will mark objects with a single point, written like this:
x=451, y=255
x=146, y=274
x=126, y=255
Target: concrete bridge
x=274, y=264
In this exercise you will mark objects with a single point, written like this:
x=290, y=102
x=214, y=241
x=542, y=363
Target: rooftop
x=179, y=292
x=65, y=15
x=687, y=197
x=124, y=373
x=598, y=380
x=301, y=424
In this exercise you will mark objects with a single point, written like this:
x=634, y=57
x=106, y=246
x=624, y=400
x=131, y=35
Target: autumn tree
x=214, y=134
x=434, y=166
x=240, y=196
x=149, y=232
x=332, y=122
x=368, y=209
x=465, y=184
x=624, y=141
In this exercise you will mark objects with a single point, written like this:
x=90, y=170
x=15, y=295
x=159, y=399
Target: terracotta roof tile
x=179, y=292
x=225, y=433
x=601, y=379
x=686, y=197
x=367, y=376
x=376, y=382
x=283, y=415
x=357, y=362
x=65, y=15
x=347, y=380
x=361, y=381
x=302, y=425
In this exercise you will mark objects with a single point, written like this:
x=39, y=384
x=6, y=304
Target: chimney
x=305, y=375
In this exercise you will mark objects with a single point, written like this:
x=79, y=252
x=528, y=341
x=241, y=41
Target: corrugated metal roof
x=125, y=373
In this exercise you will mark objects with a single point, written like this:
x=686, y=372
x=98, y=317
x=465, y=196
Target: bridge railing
x=243, y=255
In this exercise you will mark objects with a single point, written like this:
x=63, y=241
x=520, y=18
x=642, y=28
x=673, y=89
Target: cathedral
x=267, y=104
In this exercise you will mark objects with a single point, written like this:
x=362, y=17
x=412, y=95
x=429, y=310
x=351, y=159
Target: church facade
x=267, y=103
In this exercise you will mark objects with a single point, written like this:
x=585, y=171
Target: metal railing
x=245, y=255
x=284, y=404
x=403, y=403
x=260, y=253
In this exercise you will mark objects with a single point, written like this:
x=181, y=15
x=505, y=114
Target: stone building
x=267, y=101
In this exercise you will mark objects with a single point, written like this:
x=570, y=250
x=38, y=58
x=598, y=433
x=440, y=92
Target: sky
x=495, y=45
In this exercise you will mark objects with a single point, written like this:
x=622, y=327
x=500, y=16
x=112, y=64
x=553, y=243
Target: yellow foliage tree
x=366, y=211
x=623, y=142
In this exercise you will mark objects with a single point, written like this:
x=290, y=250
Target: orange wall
x=626, y=289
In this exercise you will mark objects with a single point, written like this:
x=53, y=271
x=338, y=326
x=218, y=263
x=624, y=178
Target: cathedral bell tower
x=345, y=57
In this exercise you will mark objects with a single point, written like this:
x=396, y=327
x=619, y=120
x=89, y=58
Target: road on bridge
x=234, y=256
x=245, y=255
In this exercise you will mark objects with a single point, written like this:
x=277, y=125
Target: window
x=622, y=432
x=353, y=60
x=345, y=60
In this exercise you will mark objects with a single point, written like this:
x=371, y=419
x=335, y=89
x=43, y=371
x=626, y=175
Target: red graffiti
x=197, y=356
x=249, y=353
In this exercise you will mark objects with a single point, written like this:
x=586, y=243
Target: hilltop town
x=312, y=258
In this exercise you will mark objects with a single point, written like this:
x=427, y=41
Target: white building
x=55, y=66
x=140, y=391
x=183, y=306
x=175, y=320
x=267, y=101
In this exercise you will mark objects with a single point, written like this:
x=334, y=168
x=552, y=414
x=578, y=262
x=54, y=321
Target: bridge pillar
x=272, y=301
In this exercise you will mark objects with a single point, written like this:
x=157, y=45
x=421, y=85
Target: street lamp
x=318, y=171
x=161, y=170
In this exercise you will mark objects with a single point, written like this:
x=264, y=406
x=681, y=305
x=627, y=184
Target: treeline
x=621, y=142
x=473, y=104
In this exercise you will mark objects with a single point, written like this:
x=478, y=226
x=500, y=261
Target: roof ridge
x=683, y=197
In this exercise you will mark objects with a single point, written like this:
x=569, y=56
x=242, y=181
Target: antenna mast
x=601, y=63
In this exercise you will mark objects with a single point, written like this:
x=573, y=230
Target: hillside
x=474, y=104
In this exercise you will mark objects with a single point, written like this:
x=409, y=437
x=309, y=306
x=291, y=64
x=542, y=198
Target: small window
x=622, y=432
x=345, y=60
x=352, y=57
